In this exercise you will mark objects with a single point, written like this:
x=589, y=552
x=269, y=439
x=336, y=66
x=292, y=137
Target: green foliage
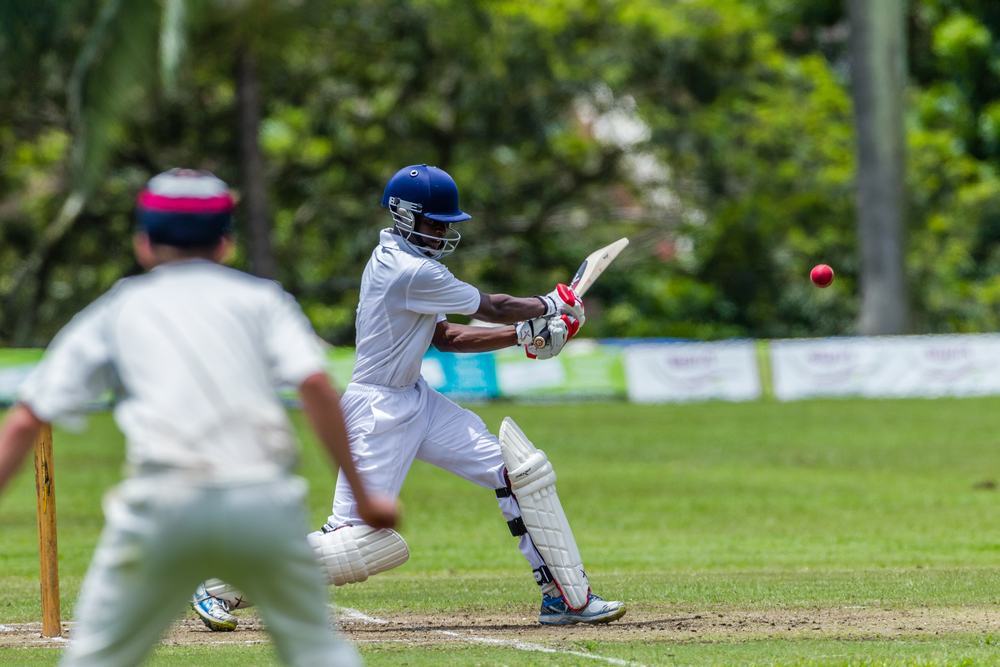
x=771, y=223
x=716, y=134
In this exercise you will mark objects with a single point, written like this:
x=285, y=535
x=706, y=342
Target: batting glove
x=562, y=300
x=528, y=329
x=558, y=331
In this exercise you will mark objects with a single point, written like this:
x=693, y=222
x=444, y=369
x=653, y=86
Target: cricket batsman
x=394, y=418
x=195, y=352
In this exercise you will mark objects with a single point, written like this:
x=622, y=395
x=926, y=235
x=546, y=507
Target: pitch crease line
x=354, y=614
x=28, y=627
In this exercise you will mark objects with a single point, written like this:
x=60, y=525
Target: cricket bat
x=587, y=275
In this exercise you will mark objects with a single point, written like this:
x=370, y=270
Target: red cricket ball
x=821, y=275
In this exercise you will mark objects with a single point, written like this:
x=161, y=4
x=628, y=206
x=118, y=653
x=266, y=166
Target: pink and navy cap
x=187, y=208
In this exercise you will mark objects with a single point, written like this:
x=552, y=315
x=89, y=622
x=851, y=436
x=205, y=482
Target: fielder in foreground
x=394, y=417
x=195, y=351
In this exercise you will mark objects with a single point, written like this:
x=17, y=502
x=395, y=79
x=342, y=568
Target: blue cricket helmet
x=432, y=193
x=428, y=190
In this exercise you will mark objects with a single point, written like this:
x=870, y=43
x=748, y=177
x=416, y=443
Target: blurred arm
x=17, y=435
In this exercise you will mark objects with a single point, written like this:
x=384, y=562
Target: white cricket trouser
x=165, y=535
x=390, y=428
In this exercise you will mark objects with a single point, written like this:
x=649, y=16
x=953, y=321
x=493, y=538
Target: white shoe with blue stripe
x=555, y=611
x=212, y=611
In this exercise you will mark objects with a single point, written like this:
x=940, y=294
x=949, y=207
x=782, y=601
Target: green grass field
x=763, y=508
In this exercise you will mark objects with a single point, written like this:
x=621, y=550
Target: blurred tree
x=38, y=200
x=717, y=134
x=256, y=206
x=377, y=85
x=878, y=83
x=114, y=72
x=127, y=36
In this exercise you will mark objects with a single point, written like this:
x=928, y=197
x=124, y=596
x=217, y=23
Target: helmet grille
x=403, y=220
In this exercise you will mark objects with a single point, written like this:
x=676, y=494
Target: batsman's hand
x=563, y=301
x=528, y=329
x=378, y=511
x=558, y=332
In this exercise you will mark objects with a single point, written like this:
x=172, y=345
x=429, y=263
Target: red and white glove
x=528, y=329
x=563, y=301
x=557, y=332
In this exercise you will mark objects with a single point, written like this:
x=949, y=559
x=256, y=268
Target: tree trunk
x=878, y=82
x=26, y=317
x=20, y=299
x=254, y=204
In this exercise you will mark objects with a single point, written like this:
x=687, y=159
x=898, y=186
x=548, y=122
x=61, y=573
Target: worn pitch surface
x=644, y=622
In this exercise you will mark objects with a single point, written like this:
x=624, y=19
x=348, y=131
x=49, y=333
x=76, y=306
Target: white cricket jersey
x=403, y=296
x=195, y=351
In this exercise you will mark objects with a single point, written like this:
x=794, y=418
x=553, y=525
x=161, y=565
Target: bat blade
x=588, y=273
x=594, y=266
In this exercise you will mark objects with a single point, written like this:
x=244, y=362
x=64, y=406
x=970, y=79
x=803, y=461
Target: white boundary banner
x=887, y=366
x=679, y=372
x=11, y=379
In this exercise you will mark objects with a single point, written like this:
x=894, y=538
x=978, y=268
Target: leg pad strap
x=517, y=527
x=542, y=575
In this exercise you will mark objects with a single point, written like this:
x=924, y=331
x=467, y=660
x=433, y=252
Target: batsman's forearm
x=463, y=338
x=17, y=434
x=322, y=406
x=506, y=309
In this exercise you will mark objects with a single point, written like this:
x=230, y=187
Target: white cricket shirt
x=195, y=351
x=403, y=296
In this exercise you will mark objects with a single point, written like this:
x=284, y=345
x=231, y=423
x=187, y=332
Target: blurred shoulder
x=201, y=282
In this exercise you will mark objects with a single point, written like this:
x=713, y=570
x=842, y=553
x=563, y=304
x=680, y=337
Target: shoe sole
x=215, y=626
x=573, y=619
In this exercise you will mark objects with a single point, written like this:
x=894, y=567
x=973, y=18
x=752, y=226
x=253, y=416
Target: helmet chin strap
x=403, y=221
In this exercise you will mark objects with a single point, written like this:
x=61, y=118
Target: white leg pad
x=217, y=588
x=533, y=482
x=346, y=556
x=351, y=554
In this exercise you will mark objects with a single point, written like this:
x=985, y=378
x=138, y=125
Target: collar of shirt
x=388, y=238
x=187, y=261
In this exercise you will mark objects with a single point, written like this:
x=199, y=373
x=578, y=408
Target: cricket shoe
x=555, y=611
x=213, y=612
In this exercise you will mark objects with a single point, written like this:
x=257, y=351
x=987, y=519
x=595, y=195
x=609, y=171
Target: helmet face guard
x=430, y=192
x=404, y=221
